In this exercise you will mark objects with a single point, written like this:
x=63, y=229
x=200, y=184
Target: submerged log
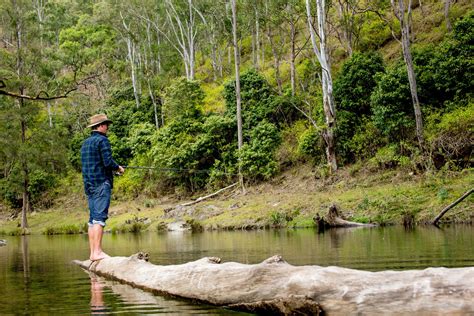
x=276, y=287
x=334, y=219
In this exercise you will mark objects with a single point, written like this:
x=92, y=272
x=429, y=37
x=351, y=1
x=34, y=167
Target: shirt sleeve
x=106, y=153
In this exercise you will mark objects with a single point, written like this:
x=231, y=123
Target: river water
x=37, y=276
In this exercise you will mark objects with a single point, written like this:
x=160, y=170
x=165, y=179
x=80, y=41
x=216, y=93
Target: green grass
x=384, y=197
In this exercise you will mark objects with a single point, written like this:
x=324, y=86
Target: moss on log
x=276, y=287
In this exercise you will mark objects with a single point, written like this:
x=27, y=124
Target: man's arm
x=106, y=153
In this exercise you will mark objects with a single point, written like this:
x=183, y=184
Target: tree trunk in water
x=237, y=87
x=275, y=287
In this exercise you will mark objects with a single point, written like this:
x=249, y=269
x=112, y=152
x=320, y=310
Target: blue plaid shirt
x=97, y=162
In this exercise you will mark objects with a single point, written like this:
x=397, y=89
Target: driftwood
x=450, y=206
x=334, y=219
x=202, y=198
x=276, y=287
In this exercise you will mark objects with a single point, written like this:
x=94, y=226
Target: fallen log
x=276, y=287
x=202, y=198
x=334, y=219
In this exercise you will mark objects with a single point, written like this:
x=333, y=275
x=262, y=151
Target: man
x=97, y=173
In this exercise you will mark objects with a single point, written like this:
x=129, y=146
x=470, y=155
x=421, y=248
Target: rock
x=178, y=226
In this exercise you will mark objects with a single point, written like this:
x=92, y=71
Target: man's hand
x=120, y=170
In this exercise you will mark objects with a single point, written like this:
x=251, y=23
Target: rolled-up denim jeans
x=99, y=202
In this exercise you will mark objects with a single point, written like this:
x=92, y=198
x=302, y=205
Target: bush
x=311, y=145
x=391, y=104
x=352, y=91
x=183, y=98
x=257, y=157
x=450, y=136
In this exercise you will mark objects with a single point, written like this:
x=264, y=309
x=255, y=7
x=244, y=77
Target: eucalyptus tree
x=132, y=55
x=322, y=53
x=293, y=12
x=403, y=12
x=237, y=86
x=349, y=22
x=26, y=75
x=276, y=34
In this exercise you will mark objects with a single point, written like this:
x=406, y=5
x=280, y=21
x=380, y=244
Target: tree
x=321, y=52
x=237, y=86
x=404, y=16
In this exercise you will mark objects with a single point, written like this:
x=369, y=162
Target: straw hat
x=98, y=119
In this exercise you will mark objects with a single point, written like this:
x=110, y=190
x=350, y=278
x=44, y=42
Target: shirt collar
x=98, y=133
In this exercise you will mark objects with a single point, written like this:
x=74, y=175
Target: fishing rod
x=174, y=169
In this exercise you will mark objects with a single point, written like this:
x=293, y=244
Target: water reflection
x=97, y=298
x=36, y=274
x=137, y=301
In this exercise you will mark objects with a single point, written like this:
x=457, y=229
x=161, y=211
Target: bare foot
x=99, y=256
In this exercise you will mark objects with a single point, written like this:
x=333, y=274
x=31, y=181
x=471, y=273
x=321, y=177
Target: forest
x=209, y=93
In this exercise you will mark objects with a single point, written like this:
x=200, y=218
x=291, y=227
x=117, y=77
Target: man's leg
x=95, y=242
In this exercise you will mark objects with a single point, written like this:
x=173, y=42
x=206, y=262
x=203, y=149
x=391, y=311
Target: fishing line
x=176, y=169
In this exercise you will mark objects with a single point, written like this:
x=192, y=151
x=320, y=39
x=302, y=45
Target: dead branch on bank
x=450, y=206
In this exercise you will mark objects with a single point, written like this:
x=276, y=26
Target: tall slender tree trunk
x=155, y=107
x=326, y=79
x=447, y=4
x=50, y=113
x=276, y=58
x=131, y=52
x=257, y=38
x=292, y=55
x=23, y=127
x=237, y=88
x=405, y=25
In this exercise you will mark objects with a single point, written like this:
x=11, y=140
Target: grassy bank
x=290, y=200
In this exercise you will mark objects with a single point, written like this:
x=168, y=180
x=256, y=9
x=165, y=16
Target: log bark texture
x=276, y=287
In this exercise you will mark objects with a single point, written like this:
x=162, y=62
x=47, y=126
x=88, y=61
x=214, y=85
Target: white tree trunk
x=326, y=78
x=131, y=59
x=237, y=86
x=405, y=25
x=447, y=4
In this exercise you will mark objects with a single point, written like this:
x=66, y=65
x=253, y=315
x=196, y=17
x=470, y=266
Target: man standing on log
x=97, y=173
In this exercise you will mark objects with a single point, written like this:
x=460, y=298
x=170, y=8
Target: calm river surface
x=37, y=276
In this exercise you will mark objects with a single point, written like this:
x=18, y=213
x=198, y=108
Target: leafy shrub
x=366, y=141
x=385, y=158
x=288, y=152
x=183, y=98
x=40, y=182
x=311, y=144
x=190, y=146
x=450, y=136
x=391, y=104
x=257, y=157
x=352, y=91
x=259, y=102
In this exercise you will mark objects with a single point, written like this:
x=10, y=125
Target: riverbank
x=289, y=200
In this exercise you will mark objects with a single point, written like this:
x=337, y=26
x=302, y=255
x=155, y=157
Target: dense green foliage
x=93, y=57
